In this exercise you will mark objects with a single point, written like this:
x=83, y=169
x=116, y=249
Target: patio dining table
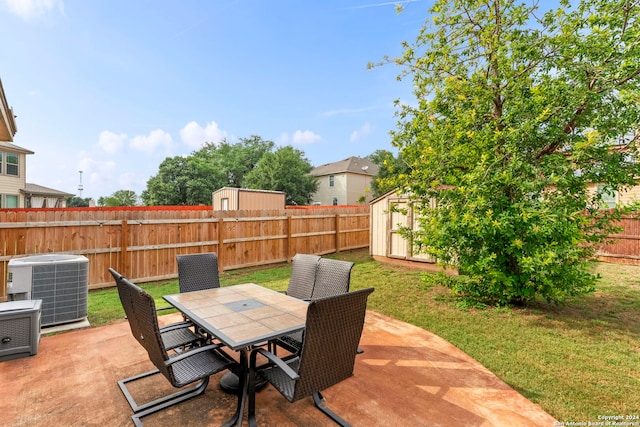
x=241, y=316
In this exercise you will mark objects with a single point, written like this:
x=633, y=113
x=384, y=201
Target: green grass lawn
x=577, y=361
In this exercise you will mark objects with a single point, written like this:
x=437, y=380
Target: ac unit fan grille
x=63, y=289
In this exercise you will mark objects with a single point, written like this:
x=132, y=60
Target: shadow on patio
x=406, y=376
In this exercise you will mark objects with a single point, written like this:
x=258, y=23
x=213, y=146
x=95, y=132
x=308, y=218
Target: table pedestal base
x=230, y=383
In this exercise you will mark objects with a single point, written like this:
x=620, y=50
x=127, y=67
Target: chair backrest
x=125, y=299
x=333, y=277
x=303, y=276
x=332, y=334
x=197, y=272
x=145, y=322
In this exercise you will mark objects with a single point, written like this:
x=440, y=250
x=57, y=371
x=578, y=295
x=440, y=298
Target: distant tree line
x=250, y=163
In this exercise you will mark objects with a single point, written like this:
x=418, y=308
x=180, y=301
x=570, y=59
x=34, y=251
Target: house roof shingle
x=41, y=190
x=14, y=147
x=351, y=164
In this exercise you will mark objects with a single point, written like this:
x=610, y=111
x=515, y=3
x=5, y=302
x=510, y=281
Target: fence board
x=623, y=248
x=142, y=242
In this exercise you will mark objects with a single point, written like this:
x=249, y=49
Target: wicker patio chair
x=189, y=366
x=196, y=272
x=333, y=329
x=303, y=276
x=174, y=335
x=333, y=277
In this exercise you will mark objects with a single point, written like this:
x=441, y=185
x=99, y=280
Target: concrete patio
x=406, y=377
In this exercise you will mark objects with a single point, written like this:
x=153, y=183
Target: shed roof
x=351, y=164
x=249, y=190
x=395, y=191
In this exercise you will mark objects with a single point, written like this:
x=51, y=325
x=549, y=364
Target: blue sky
x=113, y=87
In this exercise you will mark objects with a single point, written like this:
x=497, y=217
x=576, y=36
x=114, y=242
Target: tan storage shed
x=385, y=237
x=246, y=199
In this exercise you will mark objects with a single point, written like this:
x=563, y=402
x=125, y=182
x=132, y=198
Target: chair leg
x=319, y=402
x=173, y=399
x=162, y=402
x=251, y=411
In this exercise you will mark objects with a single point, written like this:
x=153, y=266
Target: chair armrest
x=276, y=361
x=173, y=326
x=190, y=352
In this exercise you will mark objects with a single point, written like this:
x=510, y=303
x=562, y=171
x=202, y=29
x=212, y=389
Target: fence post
x=220, y=245
x=337, y=232
x=123, y=248
x=289, y=239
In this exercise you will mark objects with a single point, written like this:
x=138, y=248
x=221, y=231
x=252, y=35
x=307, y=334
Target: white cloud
x=364, y=130
x=195, y=136
x=97, y=175
x=305, y=137
x=149, y=144
x=103, y=178
x=111, y=143
x=132, y=181
x=30, y=9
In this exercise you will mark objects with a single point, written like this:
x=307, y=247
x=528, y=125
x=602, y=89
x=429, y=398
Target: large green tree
x=285, y=169
x=518, y=112
x=191, y=180
x=237, y=160
x=179, y=182
x=120, y=198
x=77, y=202
x=390, y=167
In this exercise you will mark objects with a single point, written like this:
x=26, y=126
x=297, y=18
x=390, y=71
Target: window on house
x=12, y=164
x=10, y=201
x=331, y=180
x=225, y=204
x=608, y=196
x=335, y=201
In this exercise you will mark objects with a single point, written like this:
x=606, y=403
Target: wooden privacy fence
x=142, y=242
x=625, y=246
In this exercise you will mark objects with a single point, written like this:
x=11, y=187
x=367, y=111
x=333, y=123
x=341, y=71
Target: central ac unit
x=60, y=281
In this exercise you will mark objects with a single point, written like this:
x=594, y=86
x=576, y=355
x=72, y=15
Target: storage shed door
x=412, y=255
x=397, y=245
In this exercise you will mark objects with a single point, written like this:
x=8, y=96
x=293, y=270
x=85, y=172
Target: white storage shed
x=385, y=237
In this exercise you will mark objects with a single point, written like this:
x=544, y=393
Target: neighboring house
x=12, y=158
x=12, y=174
x=14, y=190
x=7, y=119
x=347, y=182
x=38, y=196
x=611, y=198
x=235, y=199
